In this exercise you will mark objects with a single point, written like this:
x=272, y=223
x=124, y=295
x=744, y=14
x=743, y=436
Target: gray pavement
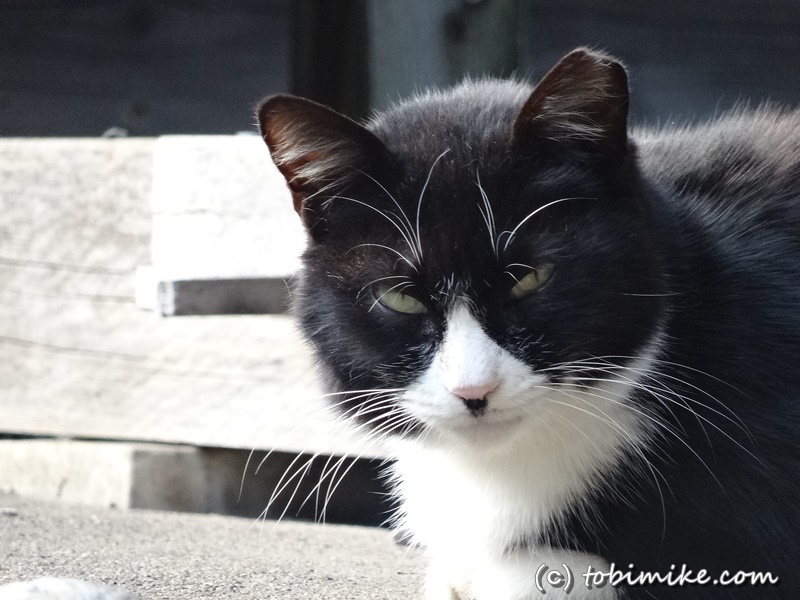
x=174, y=556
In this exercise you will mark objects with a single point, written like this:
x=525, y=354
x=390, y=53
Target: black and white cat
x=582, y=344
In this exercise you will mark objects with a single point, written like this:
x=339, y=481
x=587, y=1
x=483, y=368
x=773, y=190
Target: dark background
x=152, y=67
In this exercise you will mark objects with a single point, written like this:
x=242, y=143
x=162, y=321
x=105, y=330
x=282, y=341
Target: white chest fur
x=477, y=488
x=467, y=515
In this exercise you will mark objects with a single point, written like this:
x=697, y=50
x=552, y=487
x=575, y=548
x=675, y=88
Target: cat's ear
x=315, y=147
x=580, y=103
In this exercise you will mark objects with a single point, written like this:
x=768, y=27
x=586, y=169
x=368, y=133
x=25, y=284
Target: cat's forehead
x=467, y=120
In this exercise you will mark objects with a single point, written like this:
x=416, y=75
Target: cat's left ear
x=580, y=105
x=315, y=147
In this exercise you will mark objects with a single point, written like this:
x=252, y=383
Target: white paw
x=438, y=586
x=521, y=576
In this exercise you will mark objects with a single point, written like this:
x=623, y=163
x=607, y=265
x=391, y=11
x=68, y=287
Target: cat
x=580, y=341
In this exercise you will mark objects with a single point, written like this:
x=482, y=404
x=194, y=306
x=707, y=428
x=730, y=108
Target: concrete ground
x=173, y=556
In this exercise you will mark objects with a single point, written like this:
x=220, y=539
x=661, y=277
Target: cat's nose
x=475, y=405
x=474, y=396
x=477, y=391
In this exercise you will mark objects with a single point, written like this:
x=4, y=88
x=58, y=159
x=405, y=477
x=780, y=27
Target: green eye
x=392, y=298
x=531, y=282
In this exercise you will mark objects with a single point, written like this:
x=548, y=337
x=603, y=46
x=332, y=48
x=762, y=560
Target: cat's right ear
x=315, y=148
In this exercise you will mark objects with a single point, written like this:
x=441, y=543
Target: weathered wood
x=79, y=359
x=255, y=296
x=225, y=236
x=191, y=479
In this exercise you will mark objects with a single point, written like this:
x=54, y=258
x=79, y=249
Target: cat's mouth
x=490, y=427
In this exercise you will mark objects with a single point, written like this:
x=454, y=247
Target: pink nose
x=476, y=391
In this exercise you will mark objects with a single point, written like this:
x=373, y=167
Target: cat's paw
x=484, y=582
x=439, y=587
x=516, y=578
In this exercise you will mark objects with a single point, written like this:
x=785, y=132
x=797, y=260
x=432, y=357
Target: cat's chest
x=479, y=523
x=455, y=503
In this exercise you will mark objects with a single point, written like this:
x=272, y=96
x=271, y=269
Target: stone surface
x=52, y=588
x=203, y=557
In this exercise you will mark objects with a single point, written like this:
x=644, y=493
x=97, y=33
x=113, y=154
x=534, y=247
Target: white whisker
x=513, y=232
x=488, y=215
x=407, y=236
x=419, y=203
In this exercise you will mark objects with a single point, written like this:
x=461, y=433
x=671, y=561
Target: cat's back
x=732, y=188
x=742, y=166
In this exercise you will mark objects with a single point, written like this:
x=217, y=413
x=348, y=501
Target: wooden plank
x=221, y=209
x=219, y=296
x=190, y=479
x=225, y=239
x=79, y=359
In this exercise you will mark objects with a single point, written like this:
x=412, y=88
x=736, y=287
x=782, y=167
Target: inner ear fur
x=315, y=148
x=582, y=101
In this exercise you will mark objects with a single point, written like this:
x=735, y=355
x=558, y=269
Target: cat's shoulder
x=740, y=155
x=743, y=144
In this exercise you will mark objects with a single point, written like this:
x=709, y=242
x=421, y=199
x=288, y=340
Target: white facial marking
x=469, y=365
x=469, y=358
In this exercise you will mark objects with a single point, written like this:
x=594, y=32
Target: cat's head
x=475, y=254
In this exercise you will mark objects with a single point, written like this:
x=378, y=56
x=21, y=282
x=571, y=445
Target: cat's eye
x=393, y=298
x=531, y=282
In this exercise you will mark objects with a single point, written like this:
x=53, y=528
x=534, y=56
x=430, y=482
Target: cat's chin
x=483, y=432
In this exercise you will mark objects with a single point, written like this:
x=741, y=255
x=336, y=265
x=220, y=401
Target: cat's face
x=475, y=256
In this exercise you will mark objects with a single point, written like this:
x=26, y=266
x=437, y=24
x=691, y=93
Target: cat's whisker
x=488, y=215
x=419, y=203
x=294, y=472
x=348, y=397
x=654, y=472
x=679, y=366
x=374, y=281
x=286, y=479
x=406, y=220
x=408, y=237
x=635, y=445
x=622, y=399
x=402, y=285
x=327, y=471
x=362, y=391
x=660, y=426
x=654, y=389
x=657, y=378
x=368, y=410
x=390, y=249
x=244, y=474
x=513, y=232
x=388, y=419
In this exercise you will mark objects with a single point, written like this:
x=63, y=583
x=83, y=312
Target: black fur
x=696, y=230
